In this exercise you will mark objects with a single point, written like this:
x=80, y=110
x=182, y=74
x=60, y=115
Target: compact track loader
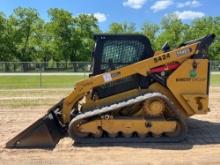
x=133, y=95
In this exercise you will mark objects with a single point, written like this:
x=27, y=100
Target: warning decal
x=107, y=77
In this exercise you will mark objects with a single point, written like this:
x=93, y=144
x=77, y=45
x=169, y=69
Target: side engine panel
x=189, y=84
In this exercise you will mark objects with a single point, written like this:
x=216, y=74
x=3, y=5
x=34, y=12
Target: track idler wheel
x=75, y=131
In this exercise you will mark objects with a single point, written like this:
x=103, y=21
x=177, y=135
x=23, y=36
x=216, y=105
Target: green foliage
x=24, y=36
x=3, y=47
x=122, y=28
x=71, y=37
x=173, y=31
x=86, y=26
x=61, y=28
x=24, y=24
x=150, y=30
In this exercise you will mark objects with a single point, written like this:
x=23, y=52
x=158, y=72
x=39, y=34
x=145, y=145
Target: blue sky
x=108, y=11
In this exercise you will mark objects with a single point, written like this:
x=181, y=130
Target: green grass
x=50, y=84
x=215, y=80
x=35, y=81
x=19, y=82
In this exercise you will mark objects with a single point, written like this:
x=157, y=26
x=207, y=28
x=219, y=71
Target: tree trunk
x=66, y=65
x=58, y=66
x=7, y=67
x=14, y=67
x=25, y=66
x=73, y=59
x=45, y=64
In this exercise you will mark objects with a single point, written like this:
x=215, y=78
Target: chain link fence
x=15, y=75
x=42, y=75
x=33, y=67
x=71, y=67
x=215, y=66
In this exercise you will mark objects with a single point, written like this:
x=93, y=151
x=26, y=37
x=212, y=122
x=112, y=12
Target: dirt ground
x=202, y=145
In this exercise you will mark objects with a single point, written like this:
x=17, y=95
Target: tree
x=22, y=28
x=24, y=23
x=201, y=27
x=86, y=26
x=45, y=48
x=122, y=28
x=215, y=48
x=25, y=37
x=72, y=37
x=172, y=31
x=204, y=26
x=150, y=30
x=61, y=27
x=3, y=48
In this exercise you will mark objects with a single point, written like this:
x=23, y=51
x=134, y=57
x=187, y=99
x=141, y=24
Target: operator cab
x=115, y=51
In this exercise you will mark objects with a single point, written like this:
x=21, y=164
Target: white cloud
x=189, y=15
x=191, y=3
x=135, y=4
x=101, y=17
x=161, y=5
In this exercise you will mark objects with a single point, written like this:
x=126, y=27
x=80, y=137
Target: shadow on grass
x=199, y=133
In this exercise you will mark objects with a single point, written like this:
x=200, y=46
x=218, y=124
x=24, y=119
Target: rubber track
x=111, y=108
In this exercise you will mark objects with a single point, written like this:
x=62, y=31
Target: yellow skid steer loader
x=134, y=95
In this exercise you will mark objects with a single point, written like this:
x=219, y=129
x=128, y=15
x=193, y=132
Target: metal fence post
x=40, y=75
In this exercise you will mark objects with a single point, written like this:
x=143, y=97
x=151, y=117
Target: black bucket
x=44, y=133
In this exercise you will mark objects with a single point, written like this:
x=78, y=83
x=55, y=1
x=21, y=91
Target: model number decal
x=161, y=58
x=183, y=52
